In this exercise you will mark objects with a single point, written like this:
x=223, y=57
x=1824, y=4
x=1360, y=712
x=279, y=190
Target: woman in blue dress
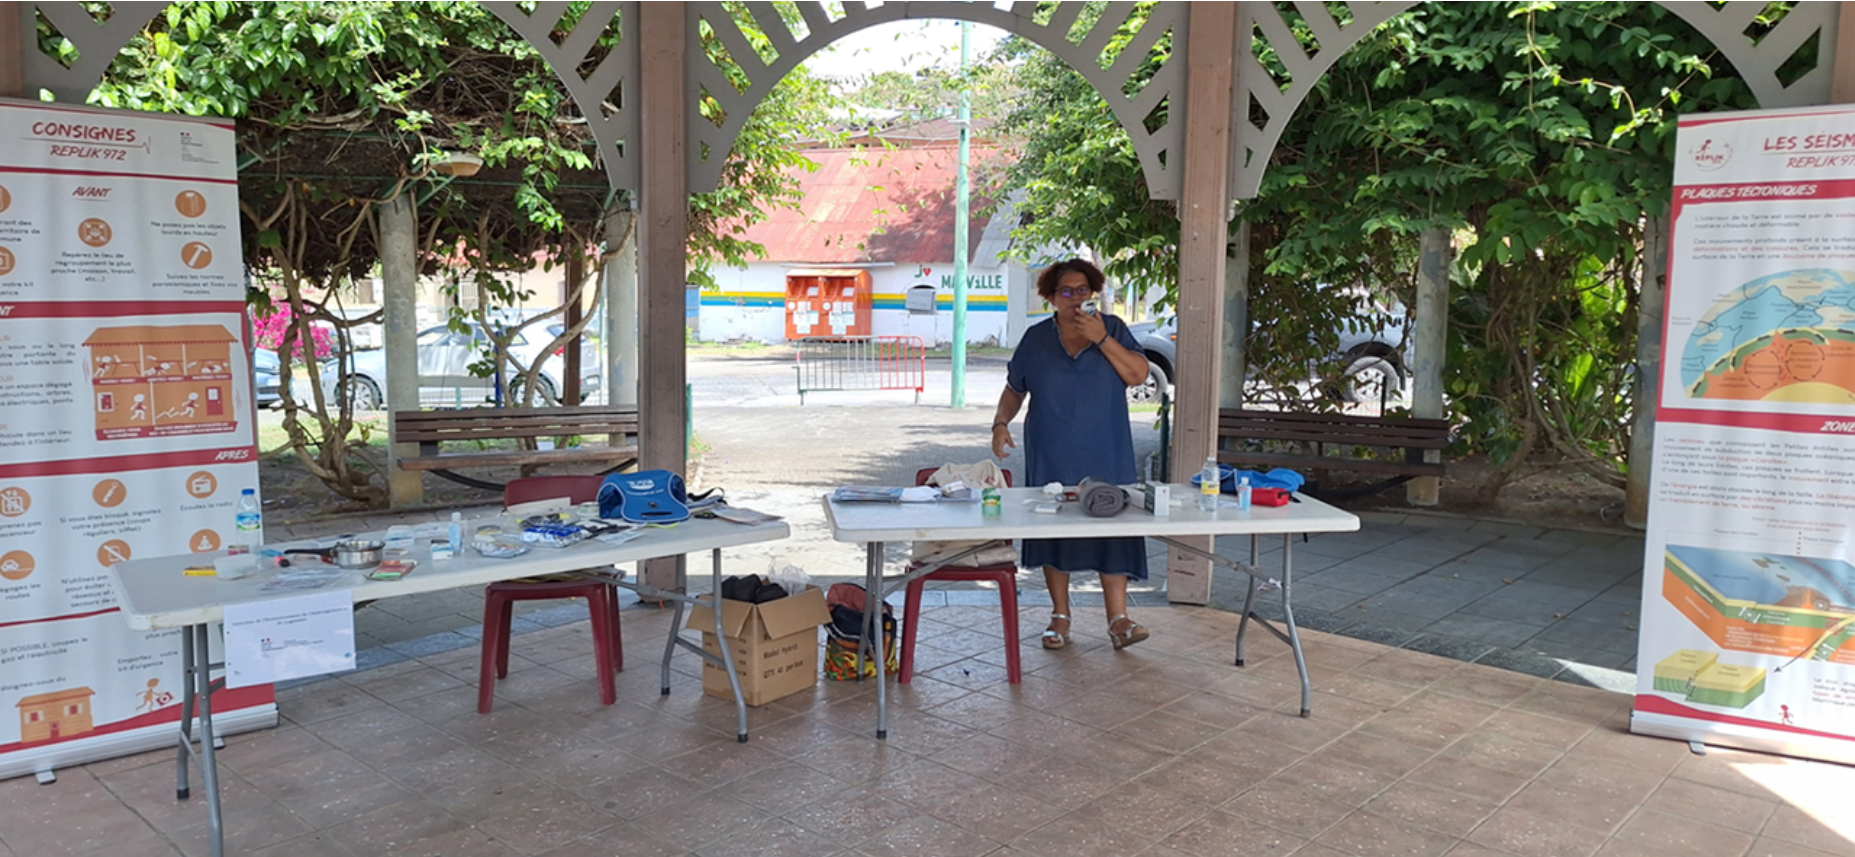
x=1075, y=368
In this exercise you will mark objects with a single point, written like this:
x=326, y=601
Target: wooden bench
x=431, y=429
x=1316, y=443
x=860, y=363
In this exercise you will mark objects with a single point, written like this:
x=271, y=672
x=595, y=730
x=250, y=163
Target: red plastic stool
x=1007, y=579
x=1006, y=576
x=498, y=604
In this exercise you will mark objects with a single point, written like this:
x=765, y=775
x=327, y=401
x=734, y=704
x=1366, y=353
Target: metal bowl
x=359, y=553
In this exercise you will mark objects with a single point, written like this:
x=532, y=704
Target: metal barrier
x=861, y=363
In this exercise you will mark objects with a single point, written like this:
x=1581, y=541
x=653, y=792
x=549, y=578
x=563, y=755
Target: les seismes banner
x=125, y=415
x=1748, y=620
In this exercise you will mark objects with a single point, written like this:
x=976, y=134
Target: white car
x=1373, y=350
x=445, y=379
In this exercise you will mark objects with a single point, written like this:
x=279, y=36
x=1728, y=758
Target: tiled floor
x=1160, y=750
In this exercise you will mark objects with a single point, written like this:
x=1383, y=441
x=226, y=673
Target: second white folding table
x=875, y=524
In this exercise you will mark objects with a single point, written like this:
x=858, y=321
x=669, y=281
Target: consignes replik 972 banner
x=1748, y=625
x=125, y=415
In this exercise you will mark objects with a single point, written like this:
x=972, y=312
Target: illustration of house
x=55, y=715
x=149, y=381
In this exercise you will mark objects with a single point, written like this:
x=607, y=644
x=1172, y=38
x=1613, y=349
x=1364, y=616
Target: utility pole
x=961, y=195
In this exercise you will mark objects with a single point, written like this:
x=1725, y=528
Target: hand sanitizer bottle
x=1243, y=494
x=456, y=533
x=1208, y=486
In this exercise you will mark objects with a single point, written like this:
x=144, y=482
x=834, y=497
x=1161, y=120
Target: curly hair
x=1047, y=280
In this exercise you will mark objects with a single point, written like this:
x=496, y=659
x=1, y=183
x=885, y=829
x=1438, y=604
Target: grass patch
x=368, y=430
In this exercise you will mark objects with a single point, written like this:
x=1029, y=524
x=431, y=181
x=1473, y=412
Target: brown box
x=775, y=645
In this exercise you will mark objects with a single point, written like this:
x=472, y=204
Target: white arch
x=1756, y=62
x=599, y=94
x=709, y=144
x=98, y=42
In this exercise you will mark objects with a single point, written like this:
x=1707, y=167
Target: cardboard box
x=775, y=645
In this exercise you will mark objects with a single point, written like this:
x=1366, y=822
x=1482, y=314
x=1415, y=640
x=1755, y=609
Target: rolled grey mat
x=1100, y=499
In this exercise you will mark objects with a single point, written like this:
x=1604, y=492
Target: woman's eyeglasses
x=1078, y=292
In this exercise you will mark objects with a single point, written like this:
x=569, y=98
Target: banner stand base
x=44, y=762
x=1758, y=740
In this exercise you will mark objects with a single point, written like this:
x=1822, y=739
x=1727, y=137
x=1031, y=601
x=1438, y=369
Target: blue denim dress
x=1076, y=427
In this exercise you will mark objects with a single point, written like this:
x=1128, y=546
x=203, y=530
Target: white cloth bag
x=979, y=476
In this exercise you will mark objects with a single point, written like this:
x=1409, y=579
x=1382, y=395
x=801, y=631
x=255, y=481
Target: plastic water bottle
x=989, y=503
x=1243, y=494
x=456, y=533
x=249, y=517
x=1208, y=486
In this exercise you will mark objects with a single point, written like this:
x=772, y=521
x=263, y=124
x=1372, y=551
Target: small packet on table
x=554, y=535
x=392, y=569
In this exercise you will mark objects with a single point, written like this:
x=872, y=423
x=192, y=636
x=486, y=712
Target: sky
x=900, y=46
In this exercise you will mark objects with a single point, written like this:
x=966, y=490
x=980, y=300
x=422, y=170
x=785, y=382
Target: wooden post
x=1842, y=65
x=1204, y=218
x=663, y=34
x=1236, y=333
x=15, y=40
x=570, y=361
x=1428, y=339
x=1652, y=298
x=621, y=309
x=399, y=278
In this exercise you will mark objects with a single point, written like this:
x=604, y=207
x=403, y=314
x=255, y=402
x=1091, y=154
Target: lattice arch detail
x=1158, y=149
x=599, y=90
x=1258, y=94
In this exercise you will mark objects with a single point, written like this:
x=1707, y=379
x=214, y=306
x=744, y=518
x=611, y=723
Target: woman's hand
x=1086, y=324
x=1001, y=438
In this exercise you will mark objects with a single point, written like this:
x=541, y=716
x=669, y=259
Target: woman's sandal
x=1129, y=634
x=1053, y=636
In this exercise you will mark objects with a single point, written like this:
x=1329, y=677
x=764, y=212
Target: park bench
x=860, y=363
x=431, y=430
x=1314, y=444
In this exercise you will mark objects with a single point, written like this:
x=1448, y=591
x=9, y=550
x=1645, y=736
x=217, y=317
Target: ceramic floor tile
x=1432, y=808
x=1226, y=834
x=1367, y=833
x=775, y=838
x=1684, y=835
x=1300, y=812
x=1163, y=751
x=924, y=836
x=1524, y=834
x=1731, y=809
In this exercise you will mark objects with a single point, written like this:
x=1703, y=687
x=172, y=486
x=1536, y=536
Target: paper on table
x=286, y=638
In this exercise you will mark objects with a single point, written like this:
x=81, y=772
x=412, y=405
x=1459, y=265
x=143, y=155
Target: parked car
x=445, y=379
x=266, y=370
x=1373, y=350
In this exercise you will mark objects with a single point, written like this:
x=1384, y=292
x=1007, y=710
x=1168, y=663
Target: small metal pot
x=359, y=553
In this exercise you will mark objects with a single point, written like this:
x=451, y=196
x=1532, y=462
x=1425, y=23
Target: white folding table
x=154, y=594
x=873, y=524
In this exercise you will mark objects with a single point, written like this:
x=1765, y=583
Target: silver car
x=1373, y=350
x=445, y=377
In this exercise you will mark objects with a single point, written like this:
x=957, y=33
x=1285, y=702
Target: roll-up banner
x=1748, y=621
x=126, y=415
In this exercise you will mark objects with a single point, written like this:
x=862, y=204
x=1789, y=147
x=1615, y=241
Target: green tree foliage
x=343, y=105
x=1077, y=177
x=1539, y=134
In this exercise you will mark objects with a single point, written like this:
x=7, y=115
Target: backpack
x=644, y=497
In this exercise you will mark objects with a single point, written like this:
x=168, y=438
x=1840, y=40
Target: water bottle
x=456, y=534
x=1243, y=494
x=989, y=503
x=249, y=517
x=1208, y=486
